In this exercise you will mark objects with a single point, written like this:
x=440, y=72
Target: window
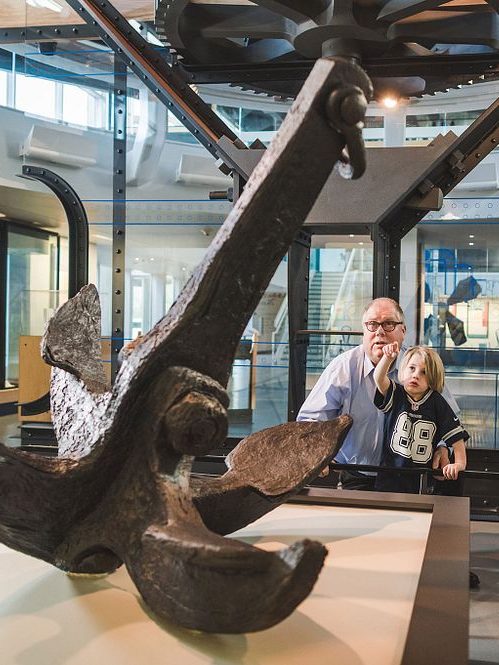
x=3, y=88
x=36, y=96
x=84, y=106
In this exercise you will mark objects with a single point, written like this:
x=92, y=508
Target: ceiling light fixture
x=389, y=102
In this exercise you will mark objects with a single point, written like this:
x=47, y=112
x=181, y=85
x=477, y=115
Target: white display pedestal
x=393, y=590
x=358, y=613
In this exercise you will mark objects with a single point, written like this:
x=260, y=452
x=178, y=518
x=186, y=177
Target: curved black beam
x=78, y=249
x=77, y=222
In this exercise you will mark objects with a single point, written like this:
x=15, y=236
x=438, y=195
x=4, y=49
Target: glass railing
x=477, y=396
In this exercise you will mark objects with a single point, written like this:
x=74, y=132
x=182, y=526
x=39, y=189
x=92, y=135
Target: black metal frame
x=119, y=211
x=78, y=249
x=475, y=65
x=298, y=279
x=386, y=262
x=5, y=228
x=46, y=33
x=298, y=286
x=77, y=223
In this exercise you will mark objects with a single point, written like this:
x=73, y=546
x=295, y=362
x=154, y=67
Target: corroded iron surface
x=121, y=491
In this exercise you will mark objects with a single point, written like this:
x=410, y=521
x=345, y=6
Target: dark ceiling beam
x=159, y=77
x=46, y=32
x=474, y=65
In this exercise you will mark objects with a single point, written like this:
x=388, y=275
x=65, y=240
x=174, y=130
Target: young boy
x=418, y=417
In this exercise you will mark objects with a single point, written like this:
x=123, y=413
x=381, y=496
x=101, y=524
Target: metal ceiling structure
x=408, y=47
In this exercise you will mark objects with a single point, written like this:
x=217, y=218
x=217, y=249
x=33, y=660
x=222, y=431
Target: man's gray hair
x=392, y=302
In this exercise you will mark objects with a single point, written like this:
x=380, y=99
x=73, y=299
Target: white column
x=395, y=126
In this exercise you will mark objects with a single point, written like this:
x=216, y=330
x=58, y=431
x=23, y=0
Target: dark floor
x=484, y=606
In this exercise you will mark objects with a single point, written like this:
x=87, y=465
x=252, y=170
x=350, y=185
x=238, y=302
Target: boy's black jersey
x=411, y=433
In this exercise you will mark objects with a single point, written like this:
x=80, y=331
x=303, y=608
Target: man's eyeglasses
x=388, y=326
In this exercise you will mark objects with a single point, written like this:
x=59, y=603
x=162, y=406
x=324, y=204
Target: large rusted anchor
x=120, y=491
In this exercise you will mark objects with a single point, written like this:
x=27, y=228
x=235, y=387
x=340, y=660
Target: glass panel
x=459, y=304
x=4, y=79
x=35, y=96
x=341, y=276
x=477, y=396
x=84, y=107
x=31, y=293
x=166, y=240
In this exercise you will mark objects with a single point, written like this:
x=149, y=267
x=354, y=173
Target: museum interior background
x=57, y=110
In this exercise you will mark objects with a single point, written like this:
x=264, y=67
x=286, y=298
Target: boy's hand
x=440, y=460
x=451, y=471
x=391, y=350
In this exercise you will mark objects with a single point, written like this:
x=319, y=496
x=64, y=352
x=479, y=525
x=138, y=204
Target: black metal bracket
x=78, y=249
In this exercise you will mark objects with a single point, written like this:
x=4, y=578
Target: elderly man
x=347, y=386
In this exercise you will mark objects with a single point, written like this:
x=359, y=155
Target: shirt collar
x=368, y=365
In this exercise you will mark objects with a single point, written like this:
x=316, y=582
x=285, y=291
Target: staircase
x=323, y=291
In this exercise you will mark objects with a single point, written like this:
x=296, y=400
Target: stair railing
x=280, y=333
x=331, y=324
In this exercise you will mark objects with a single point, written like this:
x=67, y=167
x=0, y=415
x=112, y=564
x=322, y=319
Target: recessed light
x=471, y=236
x=471, y=243
x=361, y=243
x=389, y=102
x=352, y=235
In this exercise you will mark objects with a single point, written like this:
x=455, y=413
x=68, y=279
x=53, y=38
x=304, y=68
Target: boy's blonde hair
x=434, y=366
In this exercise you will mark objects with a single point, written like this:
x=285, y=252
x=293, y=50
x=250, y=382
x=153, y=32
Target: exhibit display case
x=393, y=590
